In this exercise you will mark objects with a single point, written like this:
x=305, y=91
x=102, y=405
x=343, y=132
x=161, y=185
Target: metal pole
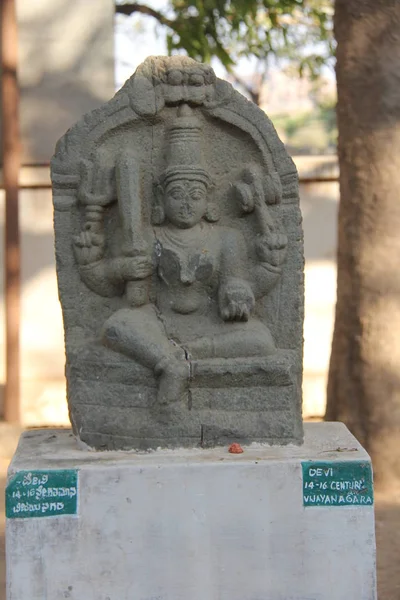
x=11, y=165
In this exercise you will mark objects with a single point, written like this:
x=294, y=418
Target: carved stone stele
x=180, y=266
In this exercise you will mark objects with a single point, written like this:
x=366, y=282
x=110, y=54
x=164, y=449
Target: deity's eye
x=176, y=193
x=197, y=194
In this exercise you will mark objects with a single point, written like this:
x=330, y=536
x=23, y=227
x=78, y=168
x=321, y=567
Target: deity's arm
x=270, y=250
x=235, y=295
x=254, y=193
x=97, y=278
x=89, y=247
x=95, y=192
x=108, y=276
x=104, y=274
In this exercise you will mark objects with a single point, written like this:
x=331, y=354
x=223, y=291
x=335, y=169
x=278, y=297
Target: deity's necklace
x=186, y=237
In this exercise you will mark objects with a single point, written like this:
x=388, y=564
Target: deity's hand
x=271, y=248
x=236, y=300
x=133, y=268
x=88, y=247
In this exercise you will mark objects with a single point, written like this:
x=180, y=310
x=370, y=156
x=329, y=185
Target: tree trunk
x=364, y=377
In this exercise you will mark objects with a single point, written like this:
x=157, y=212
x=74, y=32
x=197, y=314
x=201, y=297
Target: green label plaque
x=42, y=494
x=347, y=483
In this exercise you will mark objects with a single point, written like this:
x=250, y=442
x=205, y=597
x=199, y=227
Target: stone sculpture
x=180, y=266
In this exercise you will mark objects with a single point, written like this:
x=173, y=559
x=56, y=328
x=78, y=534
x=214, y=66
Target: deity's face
x=185, y=202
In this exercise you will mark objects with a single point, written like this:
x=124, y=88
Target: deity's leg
x=138, y=333
x=238, y=340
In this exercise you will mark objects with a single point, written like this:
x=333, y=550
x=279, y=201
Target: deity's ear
x=158, y=212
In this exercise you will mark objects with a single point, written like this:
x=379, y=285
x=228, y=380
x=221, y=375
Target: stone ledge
x=53, y=448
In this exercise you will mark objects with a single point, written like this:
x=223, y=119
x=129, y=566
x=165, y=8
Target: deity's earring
x=212, y=213
x=158, y=212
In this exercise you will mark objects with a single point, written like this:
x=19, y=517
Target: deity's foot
x=173, y=383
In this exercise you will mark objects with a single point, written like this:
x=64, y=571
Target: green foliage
x=311, y=132
x=299, y=32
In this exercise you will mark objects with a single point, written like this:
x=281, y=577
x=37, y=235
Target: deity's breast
x=188, y=272
x=187, y=257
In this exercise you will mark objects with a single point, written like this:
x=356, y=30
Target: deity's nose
x=186, y=202
x=187, y=278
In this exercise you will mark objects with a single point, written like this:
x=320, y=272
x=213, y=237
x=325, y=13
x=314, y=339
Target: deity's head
x=185, y=202
x=183, y=188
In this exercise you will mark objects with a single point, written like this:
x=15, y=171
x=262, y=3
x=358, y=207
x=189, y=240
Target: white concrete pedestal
x=191, y=524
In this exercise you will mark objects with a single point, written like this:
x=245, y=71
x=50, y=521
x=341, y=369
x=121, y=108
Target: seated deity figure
x=191, y=293
x=179, y=253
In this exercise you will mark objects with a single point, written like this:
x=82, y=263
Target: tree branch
x=132, y=7
x=254, y=95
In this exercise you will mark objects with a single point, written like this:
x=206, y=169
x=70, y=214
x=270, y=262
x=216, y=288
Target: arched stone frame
x=284, y=304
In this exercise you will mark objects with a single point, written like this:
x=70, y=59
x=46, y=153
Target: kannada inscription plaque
x=42, y=494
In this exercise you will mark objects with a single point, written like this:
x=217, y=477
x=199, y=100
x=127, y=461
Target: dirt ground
x=387, y=515
x=387, y=525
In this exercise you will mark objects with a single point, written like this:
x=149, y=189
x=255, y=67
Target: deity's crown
x=184, y=155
